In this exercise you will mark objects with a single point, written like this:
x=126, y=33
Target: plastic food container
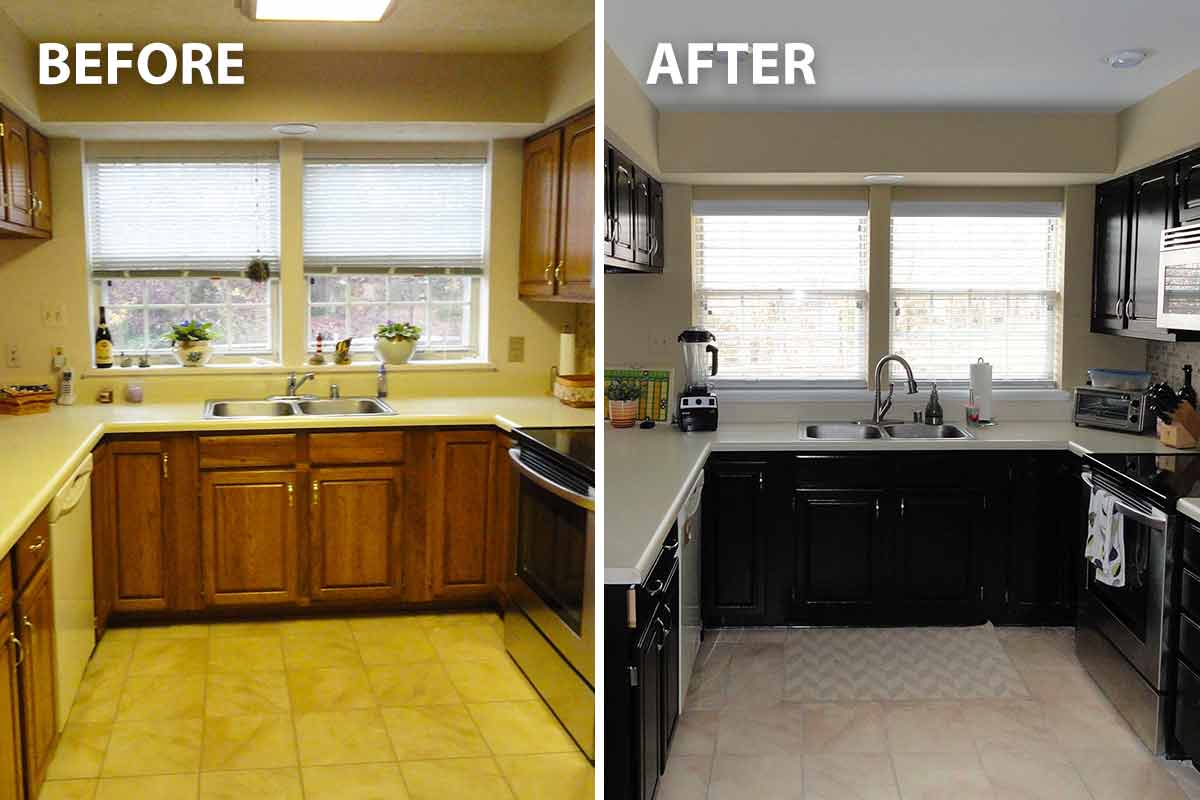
x=1123, y=379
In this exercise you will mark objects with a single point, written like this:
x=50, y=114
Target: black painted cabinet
x=633, y=211
x=620, y=207
x=668, y=613
x=657, y=260
x=1189, y=188
x=1111, y=258
x=737, y=528
x=939, y=534
x=841, y=557
x=648, y=660
x=1153, y=211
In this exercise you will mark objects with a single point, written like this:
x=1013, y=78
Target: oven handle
x=1156, y=519
x=574, y=498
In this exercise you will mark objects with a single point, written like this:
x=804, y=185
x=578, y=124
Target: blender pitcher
x=696, y=367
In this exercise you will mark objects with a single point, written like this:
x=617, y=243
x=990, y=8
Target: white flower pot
x=192, y=354
x=395, y=351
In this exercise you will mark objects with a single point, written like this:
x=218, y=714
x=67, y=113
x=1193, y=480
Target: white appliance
x=1179, y=278
x=74, y=604
x=689, y=585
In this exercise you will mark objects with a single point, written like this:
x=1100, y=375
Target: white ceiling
x=922, y=54
x=466, y=26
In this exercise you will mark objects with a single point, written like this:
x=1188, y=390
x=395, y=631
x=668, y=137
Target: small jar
x=134, y=393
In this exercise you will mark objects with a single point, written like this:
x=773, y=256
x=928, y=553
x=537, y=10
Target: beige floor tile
x=1124, y=775
x=330, y=689
x=169, y=657
x=753, y=687
x=844, y=728
x=763, y=636
x=941, y=776
x=403, y=646
x=777, y=731
x=153, y=748
x=775, y=777
x=520, y=728
x=98, y=696
x=245, y=654
x=69, y=790
x=686, y=778
x=457, y=777
x=242, y=630
x=555, y=776
x=927, y=728
x=446, y=619
x=198, y=630
x=1063, y=685
x=389, y=624
x=314, y=627
x=467, y=642
x=490, y=681
x=849, y=776
x=160, y=787
x=342, y=737
x=1081, y=726
x=151, y=697
x=1032, y=775
x=257, y=741
x=1011, y=724
x=113, y=650
x=320, y=650
x=355, y=782
x=423, y=732
x=1040, y=648
x=80, y=751
x=255, y=784
x=120, y=635
x=424, y=684
x=696, y=734
x=231, y=694
x=1186, y=776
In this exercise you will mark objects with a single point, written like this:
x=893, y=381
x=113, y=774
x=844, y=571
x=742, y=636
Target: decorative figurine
x=342, y=351
x=318, y=358
x=126, y=361
x=144, y=361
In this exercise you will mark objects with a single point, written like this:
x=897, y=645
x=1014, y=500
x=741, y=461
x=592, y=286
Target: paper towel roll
x=981, y=384
x=566, y=354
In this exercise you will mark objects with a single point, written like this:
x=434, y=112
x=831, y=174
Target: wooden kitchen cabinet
x=356, y=533
x=34, y=622
x=11, y=766
x=39, y=181
x=463, y=542
x=633, y=216
x=540, y=189
x=578, y=225
x=25, y=167
x=250, y=536
x=505, y=486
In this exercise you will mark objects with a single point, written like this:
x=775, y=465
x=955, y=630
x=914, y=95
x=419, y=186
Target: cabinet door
x=1189, y=188
x=249, y=531
x=356, y=530
x=657, y=259
x=505, y=488
x=35, y=629
x=641, y=217
x=648, y=705
x=18, y=209
x=623, y=207
x=39, y=180
x=937, y=561
x=10, y=713
x=578, y=231
x=734, y=558
x=138, y=542
x=1043, y=537
x=669, y=614
x=1111, y=258
x=609, y=212
x=462, y=541
x=841, y=555
x=1153, y=212
x=539, y=214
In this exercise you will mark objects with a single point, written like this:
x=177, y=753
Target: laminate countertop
x=39, y=452
x=647, y=473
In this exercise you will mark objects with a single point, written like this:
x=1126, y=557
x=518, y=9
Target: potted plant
x=623, y=395
x=396, y=341
x=191, y=342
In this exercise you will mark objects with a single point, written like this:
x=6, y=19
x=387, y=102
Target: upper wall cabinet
x=633, y=216
x=26, y=171
x=558, y=212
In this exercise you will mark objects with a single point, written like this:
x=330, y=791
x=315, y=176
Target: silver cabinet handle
x=877, y=508
x=1129, y=308
x=901, y=508
x=655, y=589
x=12, y=639
x=38, y=545
x=166, y=459
x=1117, y=310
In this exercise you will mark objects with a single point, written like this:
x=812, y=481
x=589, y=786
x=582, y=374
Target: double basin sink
x=296, y=407
x=855, y=431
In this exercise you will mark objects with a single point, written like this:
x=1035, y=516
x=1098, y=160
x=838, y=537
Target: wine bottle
x=104, y=344
x=1187, y=392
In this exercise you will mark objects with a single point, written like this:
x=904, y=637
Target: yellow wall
x=630, y=119
x=571, y=74
x=1165, y=123
x=18, y=70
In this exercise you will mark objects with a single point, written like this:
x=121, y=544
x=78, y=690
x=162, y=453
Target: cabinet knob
x=166, y=471
x=38, y=545
x=291, y=490
x=316, y=487
x=12, y=639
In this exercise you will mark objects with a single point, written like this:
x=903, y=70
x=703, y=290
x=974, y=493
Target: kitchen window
x=973, y=280
x=400, y=241
x=783, y=286
x=170, y=240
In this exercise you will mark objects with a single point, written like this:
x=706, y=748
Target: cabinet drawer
x=258, y=450
x=1189, y=640
x=356, y=447
x=32, y=550
x=7, y=586
x=838, y=472
x=1187, y=711
x=1191, y=546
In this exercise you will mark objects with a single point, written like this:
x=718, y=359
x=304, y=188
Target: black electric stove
x=570, y=449
x=1163, y=479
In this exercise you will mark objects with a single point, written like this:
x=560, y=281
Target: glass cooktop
x=574, y=445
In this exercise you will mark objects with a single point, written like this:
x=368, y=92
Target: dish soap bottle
x=933, y=409
x=1187, y=392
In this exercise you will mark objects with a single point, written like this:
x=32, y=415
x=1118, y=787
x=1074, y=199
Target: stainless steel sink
x=919, y=430
x=268, y=409
x=249, y=409
x=842, y=430
x=350, y=406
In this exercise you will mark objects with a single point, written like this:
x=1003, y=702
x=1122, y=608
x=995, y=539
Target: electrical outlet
x=13, y=358
x=516, y=349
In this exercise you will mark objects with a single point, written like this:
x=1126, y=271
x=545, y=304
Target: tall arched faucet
x=883, y=406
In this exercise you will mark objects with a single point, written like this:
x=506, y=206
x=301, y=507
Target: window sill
x=815, y=395
x=358, y=367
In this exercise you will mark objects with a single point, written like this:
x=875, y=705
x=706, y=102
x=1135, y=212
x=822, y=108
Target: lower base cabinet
x=356, y=533
x=34, y=621
x=11, y=773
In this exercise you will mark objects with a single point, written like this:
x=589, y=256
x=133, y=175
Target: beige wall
x=630, y=119
x=18, y=70
x=571, y=74
x=54, y=273
x=1165, y=123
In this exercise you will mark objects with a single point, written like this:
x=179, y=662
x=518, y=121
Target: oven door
x=1134, y=617
x=555, y=564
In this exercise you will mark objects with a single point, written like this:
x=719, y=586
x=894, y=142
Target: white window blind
x=784, y=290
x=400, y=217
x=976, y=280
x=170, y=218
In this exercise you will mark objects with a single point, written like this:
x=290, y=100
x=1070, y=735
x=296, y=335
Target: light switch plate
x=13, y=356
x=516, y=349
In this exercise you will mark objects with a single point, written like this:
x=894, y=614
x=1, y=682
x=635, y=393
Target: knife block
x=1183, y=430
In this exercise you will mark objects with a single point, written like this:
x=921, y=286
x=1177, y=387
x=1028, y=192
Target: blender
x=697, y=403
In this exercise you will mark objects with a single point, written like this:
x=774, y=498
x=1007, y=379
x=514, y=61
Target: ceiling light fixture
x=317, y=10
x=1125, y=59
x=884, y=177
x=295, y=129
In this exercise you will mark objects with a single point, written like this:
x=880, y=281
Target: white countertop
x=41, y=451
x=647, y=473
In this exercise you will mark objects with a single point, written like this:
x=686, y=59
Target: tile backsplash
x=1165, y=361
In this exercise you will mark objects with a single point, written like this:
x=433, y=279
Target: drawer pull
x=12, y=639
x=316, y=487
x=38, y=545
x=166, y=472
x=291, y=490
x=655, y=589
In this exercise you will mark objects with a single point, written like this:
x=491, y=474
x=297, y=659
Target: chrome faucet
x=882, y=407
x=294, y=384
x=381, y=387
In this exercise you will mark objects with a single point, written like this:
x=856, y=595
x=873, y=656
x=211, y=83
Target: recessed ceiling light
x=317, y=10
x=1125, y=59
x=294, y=129
x=884, y=177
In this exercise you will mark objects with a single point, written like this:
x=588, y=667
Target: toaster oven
x=1113, y=409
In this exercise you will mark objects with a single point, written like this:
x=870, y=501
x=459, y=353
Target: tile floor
x=747, y=732
x=395, y=708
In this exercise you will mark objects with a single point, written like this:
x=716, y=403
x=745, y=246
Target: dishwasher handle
x=69, y=496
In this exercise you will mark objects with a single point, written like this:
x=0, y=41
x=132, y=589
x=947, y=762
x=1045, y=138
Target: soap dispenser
x=933, y=409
